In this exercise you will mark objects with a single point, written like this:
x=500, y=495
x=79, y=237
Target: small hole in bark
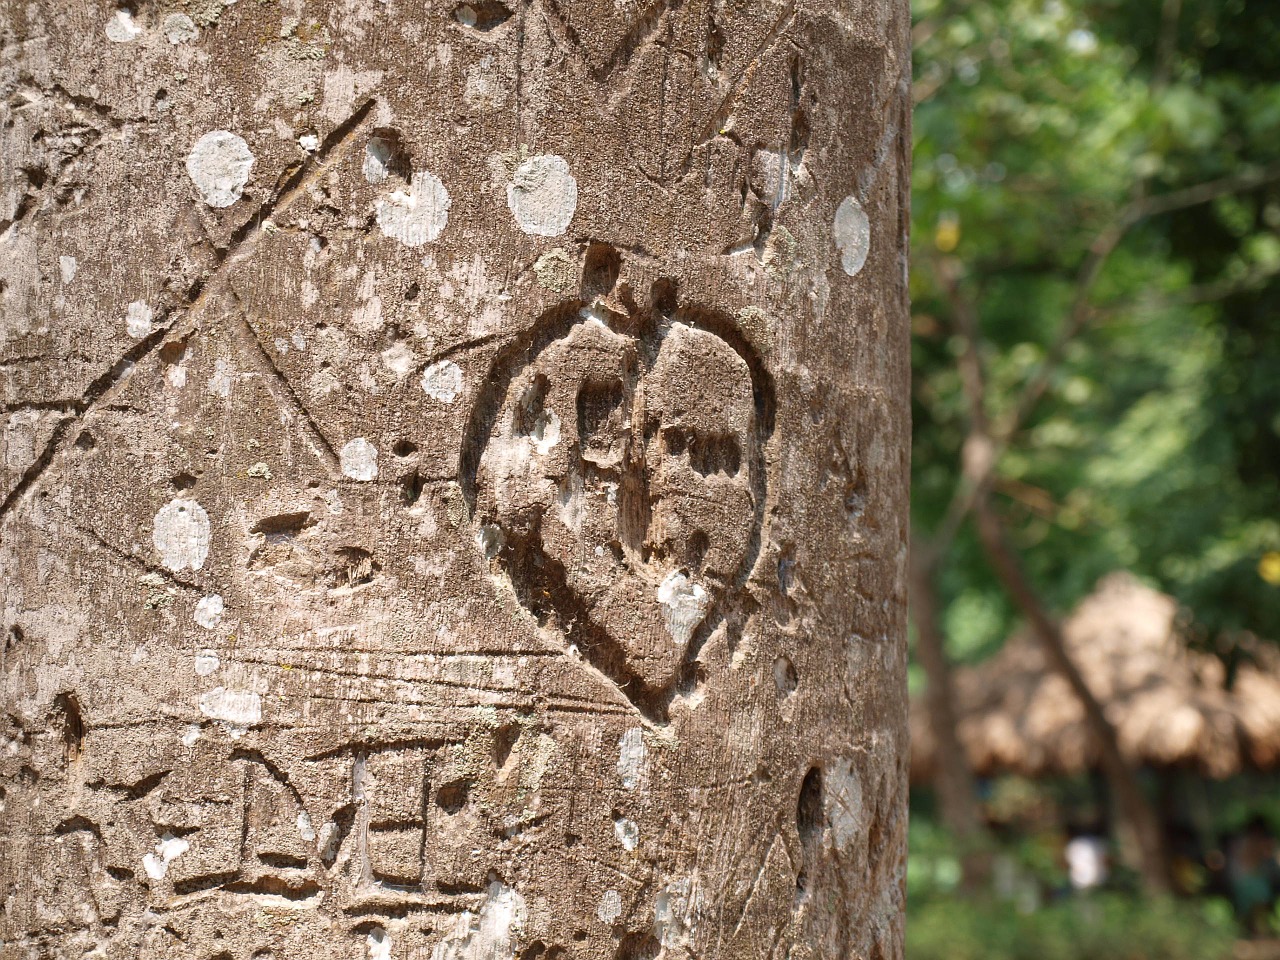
x=809, y=824
x=358, y=565
x=386, y=149
x=482, y=15
x=404, y=448
x=663, y=295
x=599, y=410
x=718, y=453
x=638, y=946
x=183, y=481
x=571, y=839
x=799, y=136
x=411, y=294
x=786, y=569
x=674, y=441
x=528, y=411
x=172, y=353
x=282, y=526
x=72, y=726
x=85, y=441
x=696, y=549
x=411, y=485
x=600, y=270
x=452, y=797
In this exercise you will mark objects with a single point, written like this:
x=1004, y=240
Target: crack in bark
x=133, y=560
x=320, y=443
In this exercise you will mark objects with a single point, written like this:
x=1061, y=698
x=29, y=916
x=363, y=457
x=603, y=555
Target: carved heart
x=616, y=470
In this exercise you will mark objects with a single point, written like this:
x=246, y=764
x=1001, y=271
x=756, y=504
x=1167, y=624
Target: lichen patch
x=219, y=166
x=543, y=195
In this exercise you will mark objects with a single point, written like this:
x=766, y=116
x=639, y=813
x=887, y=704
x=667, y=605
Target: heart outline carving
x=666, y=452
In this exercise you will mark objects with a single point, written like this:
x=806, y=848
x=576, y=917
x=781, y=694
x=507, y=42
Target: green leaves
x=1156, y=444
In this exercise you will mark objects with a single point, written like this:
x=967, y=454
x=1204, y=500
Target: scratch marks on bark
x=639, y=33
x=135, y=561
x=737, y=86
x=284, y=393
x=179, y=321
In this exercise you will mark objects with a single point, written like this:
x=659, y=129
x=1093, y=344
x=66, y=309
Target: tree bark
x=454, y=482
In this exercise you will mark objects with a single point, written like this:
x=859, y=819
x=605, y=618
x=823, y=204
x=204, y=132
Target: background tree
x=1096, y=213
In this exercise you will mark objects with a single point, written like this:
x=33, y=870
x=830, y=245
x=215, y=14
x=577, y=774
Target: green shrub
x=1102, y=927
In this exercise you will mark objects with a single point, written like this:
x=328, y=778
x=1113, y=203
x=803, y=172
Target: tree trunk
x=1137, y=817
x=454, y=494
x=953, y=777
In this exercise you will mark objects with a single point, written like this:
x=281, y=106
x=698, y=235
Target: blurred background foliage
x=1041, y=126
x=1096, y=216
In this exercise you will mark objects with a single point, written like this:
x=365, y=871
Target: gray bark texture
x=453, y=492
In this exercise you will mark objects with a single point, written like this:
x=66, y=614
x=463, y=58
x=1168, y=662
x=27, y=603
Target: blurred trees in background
x=1096, y=285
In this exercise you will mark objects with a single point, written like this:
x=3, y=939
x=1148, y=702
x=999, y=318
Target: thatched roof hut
x=1170, y=705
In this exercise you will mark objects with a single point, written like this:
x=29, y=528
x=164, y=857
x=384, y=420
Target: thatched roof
x=1169, y=705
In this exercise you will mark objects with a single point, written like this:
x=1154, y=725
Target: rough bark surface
x=453, y=494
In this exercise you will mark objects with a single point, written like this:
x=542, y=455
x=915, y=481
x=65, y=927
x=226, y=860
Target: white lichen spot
x=489, y=539
x=305, y=830
x=359, y=460
x=220, y=382
x=684, y=603
x=207, y=662
x=416, y=217
x=378, y=944
x=632, y=754
x=179, y=28
x=546, y=432
x=309, y=142
x=399, y=359
x=191, y=735
x=180, y=533
x=122, y=29
x=137, y=319
x=627, y=832
x=852, y=231
x=442, y=381
x=219, y=166
x=168, y=849
x=610, y=907
x=675, y=910
x=543, y=195
x=67, y=269
x=490, y=934
x=240, y=708
x=377, y=159
x=330, y=838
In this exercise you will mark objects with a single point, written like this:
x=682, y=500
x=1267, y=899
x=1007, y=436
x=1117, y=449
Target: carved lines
x=179, y=321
